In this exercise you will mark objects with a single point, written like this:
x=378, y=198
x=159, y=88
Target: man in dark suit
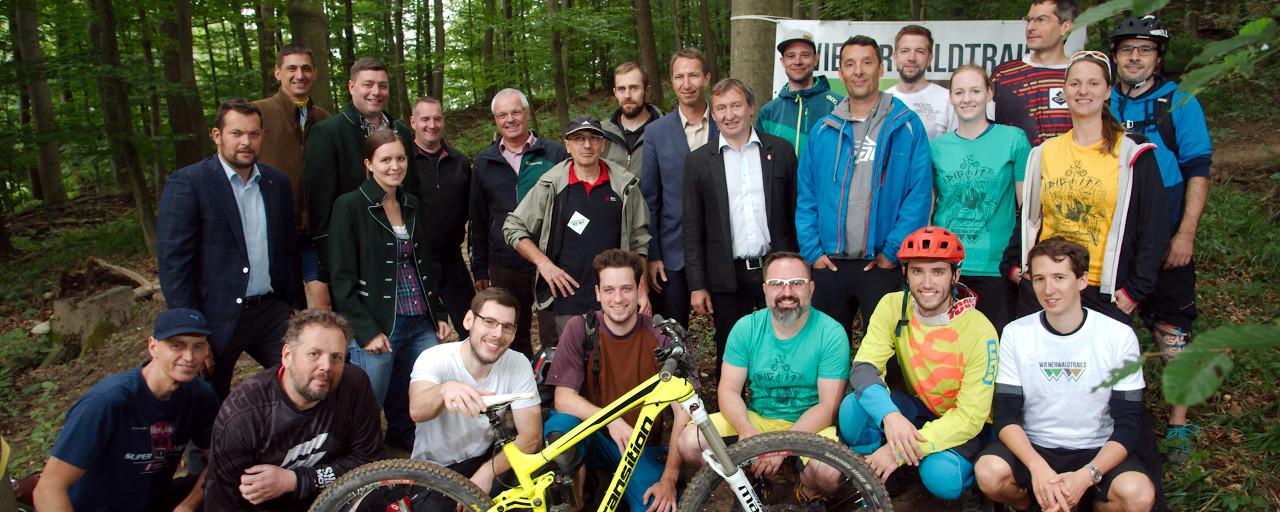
x=227, y=244
x=739, y=205
x=667, y=142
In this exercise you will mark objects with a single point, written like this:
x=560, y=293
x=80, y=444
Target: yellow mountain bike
x=543, y=483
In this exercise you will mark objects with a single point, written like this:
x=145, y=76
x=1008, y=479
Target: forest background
x=101, y=99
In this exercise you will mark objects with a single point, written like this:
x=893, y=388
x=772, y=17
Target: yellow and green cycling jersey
x=951, y=367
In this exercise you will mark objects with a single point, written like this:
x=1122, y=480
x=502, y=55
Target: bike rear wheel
x=858, y=487
x=419, y=485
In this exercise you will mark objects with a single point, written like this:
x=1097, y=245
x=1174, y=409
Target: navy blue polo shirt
x=590, y=221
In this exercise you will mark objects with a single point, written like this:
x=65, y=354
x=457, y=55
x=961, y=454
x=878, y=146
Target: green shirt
x=783, y=374
x=974, y=182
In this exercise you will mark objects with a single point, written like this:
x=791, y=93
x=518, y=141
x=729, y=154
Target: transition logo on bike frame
x=629, y=462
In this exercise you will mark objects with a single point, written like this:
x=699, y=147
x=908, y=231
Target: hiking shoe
x=1179, y=439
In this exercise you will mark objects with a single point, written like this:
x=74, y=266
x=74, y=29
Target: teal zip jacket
x=792, y=114
x=902, y=187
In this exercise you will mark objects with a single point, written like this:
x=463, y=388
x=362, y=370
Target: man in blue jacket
x=668, y=142
x=864, y=183
x=1147, y=103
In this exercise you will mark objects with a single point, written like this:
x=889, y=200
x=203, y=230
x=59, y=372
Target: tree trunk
x=917, y=10
x=153, y=104
x=6, y=246
x=558, y=64
x=114, y=94
x=487, y=51
x=48, y=162
x=648, y=47
x=307, y=23
x=242, y=38
x=186, y=114
x=437, y=71
x=422, y=46
x=267, y=46
x=24, y=120
x=751, y=54
x=349, y=37
x=213, y=63
x=815, y=9
x=675, y=24
x=709, y=40
x=507, y=52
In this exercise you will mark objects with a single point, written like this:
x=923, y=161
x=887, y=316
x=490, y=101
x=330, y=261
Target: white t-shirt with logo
x=1058, y=373
x=452, y=437
x=933, y=105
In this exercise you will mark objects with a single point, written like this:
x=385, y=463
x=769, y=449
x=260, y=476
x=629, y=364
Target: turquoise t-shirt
x=974, y=181
x=783, y=374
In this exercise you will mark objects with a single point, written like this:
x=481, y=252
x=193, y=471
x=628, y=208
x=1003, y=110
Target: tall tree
x=48, y=163
x=25, y=122
x=487, y=51
x=422, y=46
x=307, y=23
x=815, y=9
x=675, y=24
x=648, y=47
x=6, y=246
x=267, y=46
x=186, y=114
x=751, y=47
x=153, y=103
x=437, y=71
x=114, y=95
x=917, y=10
x=558, y=76
x=238, y=22
x=402, y=85
x=709, y=40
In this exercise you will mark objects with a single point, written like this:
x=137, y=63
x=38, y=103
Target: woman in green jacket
x=384, y=280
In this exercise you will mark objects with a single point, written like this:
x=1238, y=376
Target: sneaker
x=1178, y=442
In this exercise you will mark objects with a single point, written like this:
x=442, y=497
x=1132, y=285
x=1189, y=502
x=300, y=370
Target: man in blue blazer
x=667, y=142
x=227, y=245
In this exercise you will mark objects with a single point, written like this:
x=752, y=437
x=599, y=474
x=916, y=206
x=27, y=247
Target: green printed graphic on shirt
x=974, y=181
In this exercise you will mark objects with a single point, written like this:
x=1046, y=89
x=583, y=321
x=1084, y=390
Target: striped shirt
x=1030, y=97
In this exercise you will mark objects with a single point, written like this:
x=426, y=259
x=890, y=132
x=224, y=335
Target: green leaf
x=1256, y=27
x=1118, y=374
x=1197, y=79
x=1108, y=9
x=1258, y=31
x=1240, y=337
x=1193, y=376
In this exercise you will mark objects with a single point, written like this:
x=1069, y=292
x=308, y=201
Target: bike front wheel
x=410, y=484
x=855, y=488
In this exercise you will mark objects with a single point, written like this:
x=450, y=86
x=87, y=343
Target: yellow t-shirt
x=1078, y=192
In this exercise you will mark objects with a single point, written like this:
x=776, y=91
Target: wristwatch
x=1094, y=474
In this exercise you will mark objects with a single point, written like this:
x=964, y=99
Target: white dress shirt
x=744, y=180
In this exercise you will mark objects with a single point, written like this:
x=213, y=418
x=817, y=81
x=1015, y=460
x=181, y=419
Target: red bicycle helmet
x=932, y=243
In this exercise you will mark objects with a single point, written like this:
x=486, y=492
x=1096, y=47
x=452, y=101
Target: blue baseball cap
x=179, y=321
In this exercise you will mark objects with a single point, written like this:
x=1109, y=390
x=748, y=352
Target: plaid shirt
x=409, y=297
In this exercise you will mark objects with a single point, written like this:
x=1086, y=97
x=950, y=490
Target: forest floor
x=1236, y=467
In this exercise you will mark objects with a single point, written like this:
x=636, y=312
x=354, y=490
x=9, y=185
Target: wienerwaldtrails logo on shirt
x=1055, y=371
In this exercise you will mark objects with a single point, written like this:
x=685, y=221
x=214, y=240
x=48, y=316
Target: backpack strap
x=1163, y=113
x=590, y=348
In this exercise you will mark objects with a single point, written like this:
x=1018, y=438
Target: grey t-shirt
x=865, y=132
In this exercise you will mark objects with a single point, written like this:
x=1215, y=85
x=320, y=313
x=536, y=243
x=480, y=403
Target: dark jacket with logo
x=334, y=165
x=362, y=251
x=495, y=191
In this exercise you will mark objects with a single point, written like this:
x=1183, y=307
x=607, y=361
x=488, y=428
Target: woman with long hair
x=385, y=280
x=1099, y=186
x=977, y=171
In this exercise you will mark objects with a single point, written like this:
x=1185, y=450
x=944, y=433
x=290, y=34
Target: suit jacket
x=708, y=237
x=662, y=181
x=200, y=246
x=283, y=142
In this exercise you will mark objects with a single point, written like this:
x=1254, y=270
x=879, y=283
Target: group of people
x=1074, y=209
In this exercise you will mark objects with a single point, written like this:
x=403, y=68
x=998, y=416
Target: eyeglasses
x=503, y=116
x=778, y=284
x=494, y=324
x=1144, y=50
x=585, y=139
x=1038, y=20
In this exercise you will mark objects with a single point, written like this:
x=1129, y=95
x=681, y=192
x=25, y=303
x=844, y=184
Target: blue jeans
x=310, y=264
x=389, y=372
x=946, y=474
x=600, y=452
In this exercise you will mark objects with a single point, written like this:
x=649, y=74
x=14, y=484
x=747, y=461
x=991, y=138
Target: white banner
x=955, y=43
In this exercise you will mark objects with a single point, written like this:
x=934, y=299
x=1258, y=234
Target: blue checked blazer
x=200, y=247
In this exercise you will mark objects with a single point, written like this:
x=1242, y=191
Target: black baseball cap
x=179, y=321
x=584, y=122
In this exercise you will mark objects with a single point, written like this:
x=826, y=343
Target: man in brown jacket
x=287, y=118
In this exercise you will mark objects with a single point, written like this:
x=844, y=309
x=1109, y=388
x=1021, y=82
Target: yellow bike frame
x=654, y=394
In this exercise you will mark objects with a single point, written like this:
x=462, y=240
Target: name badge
x=578, y=222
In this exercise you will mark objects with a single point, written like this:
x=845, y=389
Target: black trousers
x=259, y=332
x=840, y=293
x=996, y=298
x=673, y=301
x=520, y=283
x=729, y=307
x=456, y=288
